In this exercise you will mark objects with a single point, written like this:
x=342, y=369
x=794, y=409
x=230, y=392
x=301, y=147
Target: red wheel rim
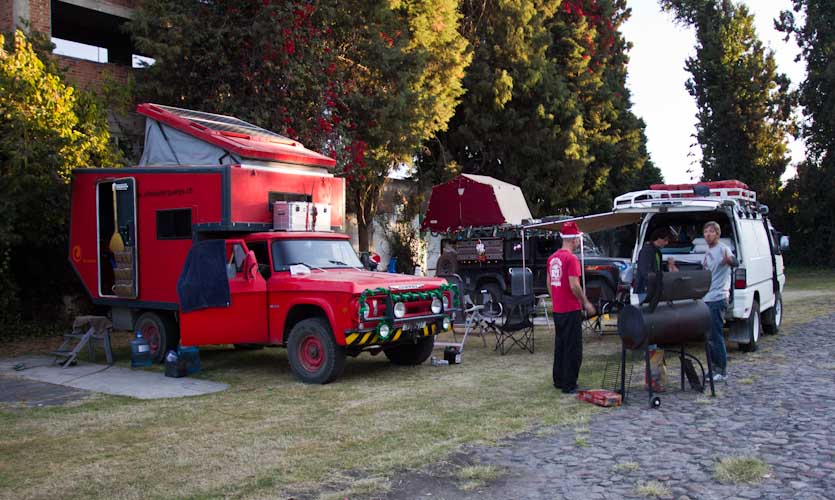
x=311, y=354
x=151, y=333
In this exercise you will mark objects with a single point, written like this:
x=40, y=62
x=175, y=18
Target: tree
x=744, y=107
x=48, y=129
x=363, y=82
x=810, y=196
x=546, y=104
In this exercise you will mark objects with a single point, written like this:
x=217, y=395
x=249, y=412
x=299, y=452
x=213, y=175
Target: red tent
x=474, y=200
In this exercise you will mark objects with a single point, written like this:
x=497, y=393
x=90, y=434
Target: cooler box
x=301, y=216
x=191, y=357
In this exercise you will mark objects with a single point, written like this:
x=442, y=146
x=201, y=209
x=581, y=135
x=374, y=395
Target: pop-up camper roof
x=474, y=200
x=175, y=136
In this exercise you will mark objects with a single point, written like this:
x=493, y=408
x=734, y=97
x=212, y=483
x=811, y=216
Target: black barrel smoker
x=673, y=314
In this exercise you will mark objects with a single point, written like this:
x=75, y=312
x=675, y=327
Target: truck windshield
x=314, y=254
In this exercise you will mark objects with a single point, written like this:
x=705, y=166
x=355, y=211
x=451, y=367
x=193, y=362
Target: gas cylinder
x=140, y=352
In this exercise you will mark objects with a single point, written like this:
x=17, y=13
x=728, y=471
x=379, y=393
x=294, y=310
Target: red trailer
x=206, y=177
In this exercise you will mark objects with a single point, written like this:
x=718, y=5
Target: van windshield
x=321, y=254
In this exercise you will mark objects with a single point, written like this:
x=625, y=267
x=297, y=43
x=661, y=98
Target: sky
x=657, y=75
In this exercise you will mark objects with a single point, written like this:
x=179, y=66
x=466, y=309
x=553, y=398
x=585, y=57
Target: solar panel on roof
x=224, y=123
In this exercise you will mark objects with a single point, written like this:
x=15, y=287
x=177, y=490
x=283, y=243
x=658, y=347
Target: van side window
x=174, y=224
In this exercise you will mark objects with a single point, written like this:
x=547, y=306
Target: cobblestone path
x=778, y=406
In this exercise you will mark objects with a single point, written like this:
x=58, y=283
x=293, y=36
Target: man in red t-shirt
x=567, y=299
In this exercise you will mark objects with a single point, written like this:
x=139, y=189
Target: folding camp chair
x=475, y=317
x=516, y=329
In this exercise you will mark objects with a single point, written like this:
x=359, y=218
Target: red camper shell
x=214, y=182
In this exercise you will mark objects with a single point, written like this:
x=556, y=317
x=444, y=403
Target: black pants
x=568, y=349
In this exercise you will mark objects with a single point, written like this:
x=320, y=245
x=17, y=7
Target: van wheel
x=773, y=317
x=410, y=354
x=753, y=326
x=315, y=358
x=160, y=331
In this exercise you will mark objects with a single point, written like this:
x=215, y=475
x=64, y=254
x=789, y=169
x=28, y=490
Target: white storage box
x=301, y=216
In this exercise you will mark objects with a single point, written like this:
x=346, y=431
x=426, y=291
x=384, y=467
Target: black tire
x=410, y=354
x=315, y=358
x=752, y=324
x=773, y=317
x=446, y=265
x=161, y=332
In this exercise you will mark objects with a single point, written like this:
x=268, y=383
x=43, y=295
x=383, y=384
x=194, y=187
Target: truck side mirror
x=784, y=243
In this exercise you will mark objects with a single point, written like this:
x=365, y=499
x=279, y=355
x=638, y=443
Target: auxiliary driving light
x=399, y=310
x=446, y=324
x=383, y=330
x=436, y=306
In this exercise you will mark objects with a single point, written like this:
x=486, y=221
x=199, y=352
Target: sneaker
x=718, y=377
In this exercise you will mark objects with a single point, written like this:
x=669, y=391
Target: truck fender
x=305, y=308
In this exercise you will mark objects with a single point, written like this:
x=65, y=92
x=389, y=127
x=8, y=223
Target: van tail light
x=740, y=279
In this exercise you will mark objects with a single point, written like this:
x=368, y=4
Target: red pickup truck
x=307, y=291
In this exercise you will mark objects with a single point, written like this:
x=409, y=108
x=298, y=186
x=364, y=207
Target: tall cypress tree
x=810, y=196
x=744, y=105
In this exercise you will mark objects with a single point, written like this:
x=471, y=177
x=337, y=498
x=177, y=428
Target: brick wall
x=88, y=75
x=6, y=23
x=40, y=16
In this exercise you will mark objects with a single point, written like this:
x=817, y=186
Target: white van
x=755, y=302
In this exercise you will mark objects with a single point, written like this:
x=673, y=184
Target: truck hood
x=356, y=281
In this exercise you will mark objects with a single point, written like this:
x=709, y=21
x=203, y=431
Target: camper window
x=174, y=224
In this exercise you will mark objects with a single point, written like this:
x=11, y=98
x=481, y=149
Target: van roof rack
x=719, y=190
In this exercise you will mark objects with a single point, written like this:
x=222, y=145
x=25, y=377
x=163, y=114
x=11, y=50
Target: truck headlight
x=365, y=310
x=383, y=330
x=436, y=306
x=445, y=301
x=399, y=310
x=446, y=324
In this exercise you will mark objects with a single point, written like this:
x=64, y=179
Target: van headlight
x=399, y=310
x=436, y=306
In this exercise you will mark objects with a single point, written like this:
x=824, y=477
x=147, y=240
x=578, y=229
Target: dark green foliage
x=546, y=106
x=364, y=82
x=810, y=196
x=744, y=107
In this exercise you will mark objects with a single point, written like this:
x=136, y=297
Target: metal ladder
x=97, y=329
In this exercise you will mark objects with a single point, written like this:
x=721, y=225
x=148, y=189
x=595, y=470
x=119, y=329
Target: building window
x=174, y=224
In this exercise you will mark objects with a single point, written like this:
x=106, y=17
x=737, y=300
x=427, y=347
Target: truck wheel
x=773, y=317
x=315, y=358
x=753, y=326
x=160, y=331
x=411, y=354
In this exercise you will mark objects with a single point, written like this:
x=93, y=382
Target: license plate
x=416, y=325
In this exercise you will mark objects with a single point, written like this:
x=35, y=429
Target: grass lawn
x=269, y=436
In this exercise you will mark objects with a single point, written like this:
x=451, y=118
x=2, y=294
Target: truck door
x=245, y=320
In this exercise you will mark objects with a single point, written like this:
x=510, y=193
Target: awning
x=593, y=223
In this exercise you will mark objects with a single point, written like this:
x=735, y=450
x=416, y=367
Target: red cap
x=570, y=230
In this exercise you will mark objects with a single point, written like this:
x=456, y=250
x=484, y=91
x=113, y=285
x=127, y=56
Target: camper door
x=245, y=320
x=116, y=227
